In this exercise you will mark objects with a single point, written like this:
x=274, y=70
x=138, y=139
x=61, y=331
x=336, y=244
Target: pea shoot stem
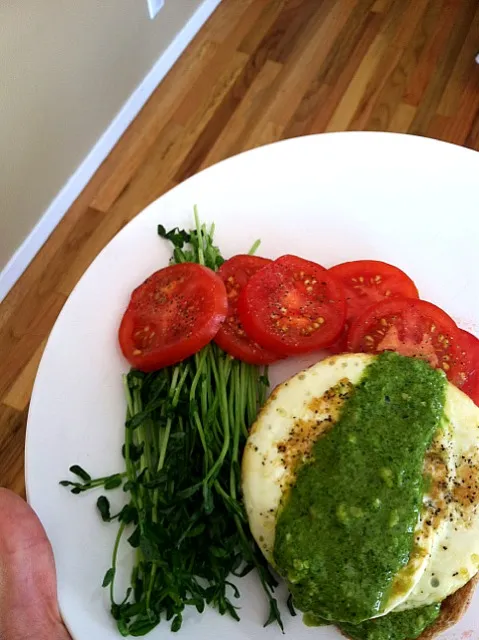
x=254, y=248
x=114, y=560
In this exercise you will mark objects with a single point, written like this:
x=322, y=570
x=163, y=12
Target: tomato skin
x=411, y=327
x=367, y=282
x=231, y=336
x=340, y=345
x=471, y=347
x=292, y=306
x=173, y=314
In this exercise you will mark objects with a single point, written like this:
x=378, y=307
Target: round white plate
x=410, y=201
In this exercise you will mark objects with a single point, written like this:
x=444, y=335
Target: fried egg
x=299, y=411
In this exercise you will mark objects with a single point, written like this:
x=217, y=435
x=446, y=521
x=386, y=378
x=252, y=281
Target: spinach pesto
x=404, y=625
x=347, y=525
x=395, y=626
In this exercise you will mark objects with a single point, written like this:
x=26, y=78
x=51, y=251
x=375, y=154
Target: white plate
x=410, y=201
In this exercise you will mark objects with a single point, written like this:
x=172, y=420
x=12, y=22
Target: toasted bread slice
x=452, y=610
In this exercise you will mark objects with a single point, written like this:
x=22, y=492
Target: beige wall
x=66, y=69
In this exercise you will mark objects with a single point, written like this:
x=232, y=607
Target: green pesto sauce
x=405, y=625
x=347, y=526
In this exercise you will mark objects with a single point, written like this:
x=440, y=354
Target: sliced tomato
x=471, y=347
x=367, y=282
x=412, y=328
x=231, y=336
x=292, y=306
x=172, y=315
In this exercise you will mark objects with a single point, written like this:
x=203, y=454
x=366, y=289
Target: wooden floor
x=259, y=71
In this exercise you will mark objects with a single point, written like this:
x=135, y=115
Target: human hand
x=28, y=586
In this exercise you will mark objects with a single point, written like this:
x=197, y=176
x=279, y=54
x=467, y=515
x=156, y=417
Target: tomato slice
x=172, y=315
x=292, y=306
x=412, y=328
x=365, y=283
x=471, y=348
x=231, y=336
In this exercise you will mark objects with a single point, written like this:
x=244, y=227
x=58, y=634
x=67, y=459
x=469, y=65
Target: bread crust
x=452, y=610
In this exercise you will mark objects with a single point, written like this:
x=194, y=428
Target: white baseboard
x=80, y=178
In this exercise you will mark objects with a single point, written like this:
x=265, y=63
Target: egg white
x=455, y=557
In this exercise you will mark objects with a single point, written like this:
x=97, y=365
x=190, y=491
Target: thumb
x=28, y=588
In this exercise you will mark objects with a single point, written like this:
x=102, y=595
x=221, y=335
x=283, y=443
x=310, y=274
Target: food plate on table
x=330, y=199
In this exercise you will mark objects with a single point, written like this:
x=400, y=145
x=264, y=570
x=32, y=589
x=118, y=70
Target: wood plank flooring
x=259, y=71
